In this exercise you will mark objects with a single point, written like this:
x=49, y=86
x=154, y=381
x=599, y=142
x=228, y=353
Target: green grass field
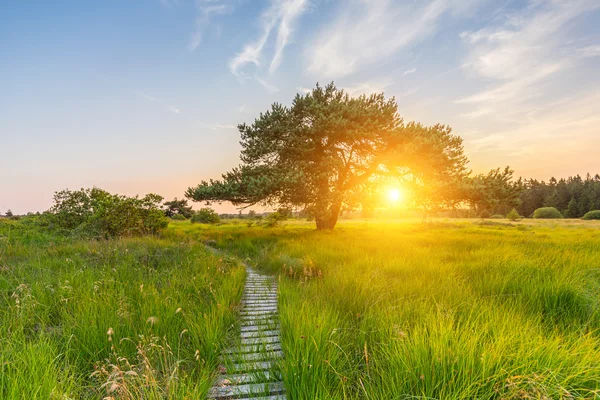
x=373, y=310
x=449, y=310
x=129, y=319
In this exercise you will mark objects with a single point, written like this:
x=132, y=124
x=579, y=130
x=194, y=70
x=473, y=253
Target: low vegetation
x=592, y=215
x=447, y=310
x=547, y=213
x=129, y=318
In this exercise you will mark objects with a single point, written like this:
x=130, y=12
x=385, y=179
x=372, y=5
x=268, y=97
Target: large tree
x=326, y=147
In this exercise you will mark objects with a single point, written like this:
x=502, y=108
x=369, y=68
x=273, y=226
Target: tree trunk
x=328, y=219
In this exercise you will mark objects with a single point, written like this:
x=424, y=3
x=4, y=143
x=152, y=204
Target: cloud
x=366, y=88
x=207, y=9
x=524, y=51
x=170, y=3
x=369, y=31
x=281, y=15
x=301, y=89
x=410, y=71
x=590, y=51
x=269, y=87
x=169, y=107
x=477, y=113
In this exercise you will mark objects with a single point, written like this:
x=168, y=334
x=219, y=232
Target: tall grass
x=449, y=310
x=123, y=319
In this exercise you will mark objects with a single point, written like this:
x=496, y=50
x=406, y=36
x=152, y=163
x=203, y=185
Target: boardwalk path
x=251, y=366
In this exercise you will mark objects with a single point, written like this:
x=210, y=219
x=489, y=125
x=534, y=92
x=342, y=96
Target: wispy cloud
x=477, y=113
x=590, y=51
x=164, y=104
x=366, y=88
x=301, y=89
x=170, y=3
x=524, y=51
x=410, y=71
x=207, y=9
x=369, y=31
x=280, y=16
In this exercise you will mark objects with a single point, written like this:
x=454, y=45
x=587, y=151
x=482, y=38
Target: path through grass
x=450, y=310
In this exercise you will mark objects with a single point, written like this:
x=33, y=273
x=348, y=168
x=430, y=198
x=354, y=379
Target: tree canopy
x=328, y=146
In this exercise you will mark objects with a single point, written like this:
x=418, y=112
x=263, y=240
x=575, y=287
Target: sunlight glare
x=395, y=195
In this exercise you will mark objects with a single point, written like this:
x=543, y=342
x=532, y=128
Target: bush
x=592, y=215
x=178, y=217
x=95, y=213
x=484, y=214
x=513, y=215
x=497, y=216
x=206, y=216
x=273, y=219
x=547, y=213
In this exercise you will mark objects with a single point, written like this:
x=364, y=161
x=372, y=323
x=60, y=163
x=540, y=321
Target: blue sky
x=144, y=96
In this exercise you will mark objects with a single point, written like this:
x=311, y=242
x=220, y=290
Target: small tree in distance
x=9, y=213
x=513, y=215
x=206, y=216
x=178, y=207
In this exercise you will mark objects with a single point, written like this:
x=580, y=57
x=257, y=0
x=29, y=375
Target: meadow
x=130, y=318
x=447, y=310
x=451, y=309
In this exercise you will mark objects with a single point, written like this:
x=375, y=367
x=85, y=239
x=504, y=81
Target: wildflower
x=152, y=320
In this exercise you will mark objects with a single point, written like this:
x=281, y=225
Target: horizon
x=145, y=98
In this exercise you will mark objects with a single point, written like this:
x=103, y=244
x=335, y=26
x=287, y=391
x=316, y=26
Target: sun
x=394, y=195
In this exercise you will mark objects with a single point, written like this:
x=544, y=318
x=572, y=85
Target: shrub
x=96, y=213
x=497, y=216
x=484, y=214
x=273, y=219
x=595, y=214
x=513, y=215
x=547, y=213
x=178, y=217
x=206, y=216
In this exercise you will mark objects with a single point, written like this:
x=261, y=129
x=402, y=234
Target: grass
x=447, y=310
x=123, y=319
x=373, y=310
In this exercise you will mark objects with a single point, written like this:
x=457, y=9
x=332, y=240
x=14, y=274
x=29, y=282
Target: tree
x=100, y=214
x=178, y=207
x=9, y=213
x=328, y=144
x=206, y=216
x=495, y=192
x=513, y=215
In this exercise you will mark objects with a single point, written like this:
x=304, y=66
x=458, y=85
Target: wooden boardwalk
x=250, y=368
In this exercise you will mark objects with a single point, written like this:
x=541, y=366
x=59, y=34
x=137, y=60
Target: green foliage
x=595, y=214
x=495, y=192
x=485, y=214
x=128, y=318
x=206, y=216
x=573, y=196
x=273, y=219
x=178, y=217
x=497, y=216
x=178, y=207
x=327, y=146
x=454, y=310
x=513, y=215
x=95, y=213
x=547, y=213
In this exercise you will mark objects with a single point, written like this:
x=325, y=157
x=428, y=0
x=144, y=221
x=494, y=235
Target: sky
x=144, y=96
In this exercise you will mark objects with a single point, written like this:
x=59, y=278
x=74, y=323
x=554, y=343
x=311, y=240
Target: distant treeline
x=573, y=197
